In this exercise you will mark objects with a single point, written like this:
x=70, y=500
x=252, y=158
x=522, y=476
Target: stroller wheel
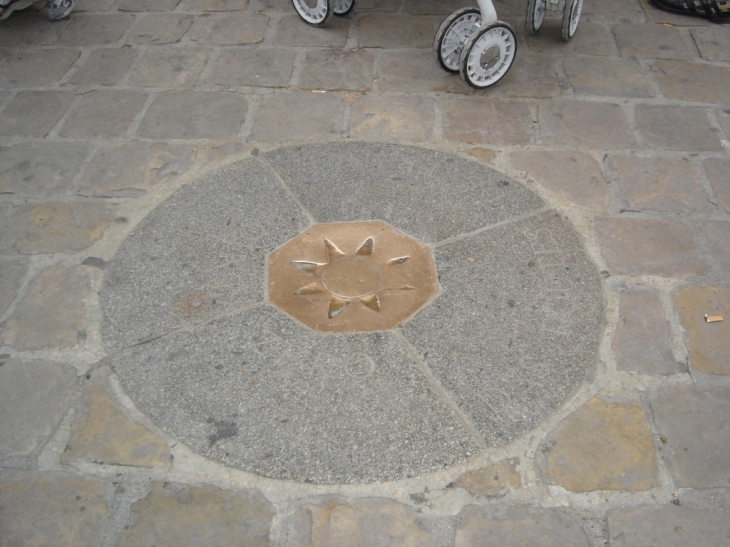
x=452, y=34
x=535, y=14
x=571, y=16
x=314, y=12
x=343, y=7
x=488, y=55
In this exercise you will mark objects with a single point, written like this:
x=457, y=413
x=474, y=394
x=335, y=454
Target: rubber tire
x=570, y=12
x=444, y=30
x=341, y=13
x=328, y=6
x=532, y=5
x=473, y=41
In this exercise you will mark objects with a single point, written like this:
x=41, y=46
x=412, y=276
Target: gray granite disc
x=202, y=352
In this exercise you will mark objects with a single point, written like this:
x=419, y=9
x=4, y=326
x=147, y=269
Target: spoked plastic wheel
x=488, y=55
x=452, y=34
x=314, y=12
x=343, y=7
x=571, y=16
x=536, y=14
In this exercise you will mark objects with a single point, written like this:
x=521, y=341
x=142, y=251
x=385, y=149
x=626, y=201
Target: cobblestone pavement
x=624, y=132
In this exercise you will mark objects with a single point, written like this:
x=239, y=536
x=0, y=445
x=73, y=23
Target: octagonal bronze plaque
x=352, y=277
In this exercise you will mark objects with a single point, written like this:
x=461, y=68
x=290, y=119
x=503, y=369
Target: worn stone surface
x=180, y=514
x=717, y=235
x=36, y=67
x=659, y=124
x=668, y=526
x=698, y=437
x=706, y=342
x=484, y=121
x=608, y=76
x=34, y=396
x=159, y=28
x=52, y=314
x=213, y=5
x=393, y=31
x=493, y=480
x=656, y=184
x=584, y=125
x=55, y=227
x=11, y=276
x=103, y=434
x=40, y=168
x=718, y=173
x=691, y=81
x=33, y=113
x=38, y=509
x=593, y=39
x=530, y=76
x=27, y=29
x=415, y=71
x=291, y=32
x=298, y=116
x=132, y=168
x=105, y=67
x=651, y=41
x=335, y=70
x=713, y=43
x=229, y=29
x=601, y=446
x=86, y=29
x=194, y=115
x=637, y=246
x=642, y=341
x=147, y=5
x=271, y=67
x=517, y=527
x=392, y=119
x=94, y=117
x=169, y=66
x=574, y=175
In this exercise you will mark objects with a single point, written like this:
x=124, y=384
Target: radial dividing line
x=490, y=227
x=443, y=392
x=306, y=212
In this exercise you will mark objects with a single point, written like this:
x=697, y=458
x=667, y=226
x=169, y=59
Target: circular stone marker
x=446, y=310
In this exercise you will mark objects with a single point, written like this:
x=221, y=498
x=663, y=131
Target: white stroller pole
x=489, y=14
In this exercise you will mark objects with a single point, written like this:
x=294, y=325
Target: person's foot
x=58, y=9
x=9, y=6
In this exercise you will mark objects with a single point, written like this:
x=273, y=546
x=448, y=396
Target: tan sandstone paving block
x=591, y=39
x=229, y=29
x=159, y=28
x=585, y=125
x=292, y=32
x=40, y=168
x=169, y=66
x=694, y=423
x=88, y=29
x=416, y=71
x=394, y=31
x=692, y=81
x=27, y=30
x=717, y=235
x=392, y=119
x=335, y=70
x=707, y=343
x=133, y=168
x=297, y=116
x=11, y=275
x=52, y=315
x=638, y=246
x=147, y=5
x=213, y=5
x=530, y=76
x=34, y=113
x=33, y=400
x=713, y=43
x=58, y=509
x=103, y=434
x=105, y=66
x=36, y=67
x=104, y=113
x=642, y=342
x=177, y=514
x=518, y=527
x=656, y=184
x=616, y=10
x=494, y=480
x=608, y=76
x=265, y=67
x=718, y=173
x=601, y=446
x=575, y=175
x=677, y=128
x=93, y=5
x=194, y=115
x=55, y=227
x=723, y=116
x=668, y=526
x=481, y=120
x=651, y=42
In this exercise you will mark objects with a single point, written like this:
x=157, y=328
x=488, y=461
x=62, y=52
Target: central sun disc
x=351, y=277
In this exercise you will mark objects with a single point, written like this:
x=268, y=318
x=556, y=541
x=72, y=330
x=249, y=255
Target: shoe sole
x=61, y=15
x=15, y=7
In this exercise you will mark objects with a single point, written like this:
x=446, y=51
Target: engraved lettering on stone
x=272, y=343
